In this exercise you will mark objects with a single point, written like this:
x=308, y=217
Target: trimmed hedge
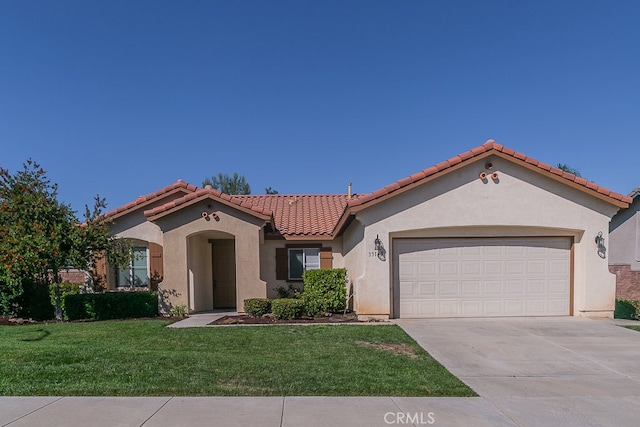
x=113, y=305
x=324, y=290
x=287, y=308
x=257, y=307
x=626, y=309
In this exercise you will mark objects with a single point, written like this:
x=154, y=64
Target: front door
x=224, y=273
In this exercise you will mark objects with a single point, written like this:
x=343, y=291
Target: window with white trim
x=136, y=275
x=301, y=260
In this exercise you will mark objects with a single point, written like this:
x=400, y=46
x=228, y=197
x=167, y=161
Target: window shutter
x=100, y=271
x=156, y=265
x=326, y=258
x=282, y=264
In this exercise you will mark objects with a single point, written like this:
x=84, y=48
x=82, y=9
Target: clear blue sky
x=124, y=97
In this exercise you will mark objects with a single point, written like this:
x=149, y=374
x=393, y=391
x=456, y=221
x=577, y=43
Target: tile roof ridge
x=140, y=200
x=487, y=146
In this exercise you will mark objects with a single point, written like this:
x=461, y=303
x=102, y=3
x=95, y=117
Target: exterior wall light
x=602, y=250
x=377, y=244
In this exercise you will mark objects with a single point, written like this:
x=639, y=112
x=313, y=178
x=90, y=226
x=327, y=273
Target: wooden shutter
x=100, y=272
x=326, y=258
x=156, y=266
x=282, y=264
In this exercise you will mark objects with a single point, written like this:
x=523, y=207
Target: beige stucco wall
x=187, y=254
x=520, y=203
x=268, y=261
x=624, y=237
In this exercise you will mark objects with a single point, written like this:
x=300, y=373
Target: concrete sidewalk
x=248, y=411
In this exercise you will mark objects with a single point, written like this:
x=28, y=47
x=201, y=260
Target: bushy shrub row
x=325, y=291
x=257, y=307
x=287, y=308
x=113, y=305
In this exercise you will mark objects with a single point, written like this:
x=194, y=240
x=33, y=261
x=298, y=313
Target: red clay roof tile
x=302, y=216
x=177, y=187
x=474, y=152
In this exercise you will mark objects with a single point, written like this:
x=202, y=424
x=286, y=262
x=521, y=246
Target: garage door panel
x=536, y=266
x=447, y=288
x=427, y=267
x=448, y=268
x=427, y=289
x=536, y=287
x=492, y=267
x=483, y=277
x=471, y=289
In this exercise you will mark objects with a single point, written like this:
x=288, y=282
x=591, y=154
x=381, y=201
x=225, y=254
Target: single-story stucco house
x=489, y=232
x=624, y=253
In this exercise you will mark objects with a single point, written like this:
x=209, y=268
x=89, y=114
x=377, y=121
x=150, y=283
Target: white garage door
x=482, y=277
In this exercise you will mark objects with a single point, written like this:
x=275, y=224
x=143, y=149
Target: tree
x=270, y=190
x=565, y=167
x=39, y=236
x=236, y=184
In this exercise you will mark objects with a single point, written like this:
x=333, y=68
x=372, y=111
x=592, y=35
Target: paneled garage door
x=482, y=277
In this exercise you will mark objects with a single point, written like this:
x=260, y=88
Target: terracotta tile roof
x=178, y=187
x=489, y=147
x=204, y=193
x=304, y=215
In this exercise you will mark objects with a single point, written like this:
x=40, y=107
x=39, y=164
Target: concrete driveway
x=542, y=371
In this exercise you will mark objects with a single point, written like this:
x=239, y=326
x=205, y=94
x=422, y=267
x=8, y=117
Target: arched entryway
x=211, y=261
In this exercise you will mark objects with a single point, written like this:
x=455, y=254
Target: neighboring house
x=624, y=253
x=490, y=232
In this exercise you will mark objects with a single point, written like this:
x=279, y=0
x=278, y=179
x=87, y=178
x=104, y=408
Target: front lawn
x=143, y=358
x=635, y=328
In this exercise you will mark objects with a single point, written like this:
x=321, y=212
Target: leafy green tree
x=39, y=236
x=236, y=184
x=565, y=167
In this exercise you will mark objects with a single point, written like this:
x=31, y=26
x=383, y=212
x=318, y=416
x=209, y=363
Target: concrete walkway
x=529, y=372
x=201, y=319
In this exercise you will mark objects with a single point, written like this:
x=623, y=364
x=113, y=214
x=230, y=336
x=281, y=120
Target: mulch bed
x=269, y=320
x=12, y=321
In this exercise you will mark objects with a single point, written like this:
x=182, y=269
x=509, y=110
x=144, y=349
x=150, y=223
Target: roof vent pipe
x=349, y=190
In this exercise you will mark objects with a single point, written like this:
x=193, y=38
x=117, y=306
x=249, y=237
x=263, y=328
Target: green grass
x=143, y=358
x=635, y=328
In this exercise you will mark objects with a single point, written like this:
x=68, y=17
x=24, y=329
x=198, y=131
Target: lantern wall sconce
x=377, y=244
x=602, y=250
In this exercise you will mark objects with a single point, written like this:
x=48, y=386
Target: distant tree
x=39, y=236
x=236, y=184
x=565, y=167
x=270, y=190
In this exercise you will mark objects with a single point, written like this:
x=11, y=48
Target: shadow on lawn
x=35, y=335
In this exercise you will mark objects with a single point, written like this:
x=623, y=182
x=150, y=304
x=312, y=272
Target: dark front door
x=224, y=273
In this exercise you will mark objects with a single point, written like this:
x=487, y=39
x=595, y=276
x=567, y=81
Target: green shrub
x=179, y=311
x=10, y=297
x=65, y=288
x=626, y=309
x=257, y=307
x=287, y=308
x=113, y=305
x=289, y=292
x=34, y=301
x=324, y=290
